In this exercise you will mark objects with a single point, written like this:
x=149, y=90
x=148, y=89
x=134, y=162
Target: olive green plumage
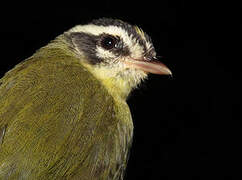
x=63, y=111
x=59, y=122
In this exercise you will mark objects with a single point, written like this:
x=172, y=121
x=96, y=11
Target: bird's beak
x=148, y=66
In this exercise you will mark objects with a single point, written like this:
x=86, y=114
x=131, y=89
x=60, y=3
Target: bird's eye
x=109, y=42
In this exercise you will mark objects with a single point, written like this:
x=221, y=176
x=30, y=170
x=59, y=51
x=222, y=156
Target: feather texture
x=61, y=122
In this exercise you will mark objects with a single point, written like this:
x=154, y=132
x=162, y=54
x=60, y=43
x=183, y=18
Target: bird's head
x=120, y=55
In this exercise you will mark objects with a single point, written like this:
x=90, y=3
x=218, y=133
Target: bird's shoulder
x=60, y=105
x=46, y=82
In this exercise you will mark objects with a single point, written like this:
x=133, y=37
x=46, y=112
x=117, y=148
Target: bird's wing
x=50, y=112
x=2, y=133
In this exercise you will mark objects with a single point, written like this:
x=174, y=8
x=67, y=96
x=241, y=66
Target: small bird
x=63, y=111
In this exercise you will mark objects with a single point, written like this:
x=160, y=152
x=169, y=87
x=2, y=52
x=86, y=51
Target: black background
x=187, y=126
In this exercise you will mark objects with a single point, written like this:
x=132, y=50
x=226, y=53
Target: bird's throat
x=119, y=85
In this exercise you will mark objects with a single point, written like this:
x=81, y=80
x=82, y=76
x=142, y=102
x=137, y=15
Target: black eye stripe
x=87, y=43
x=130, y=29
x=119, y=47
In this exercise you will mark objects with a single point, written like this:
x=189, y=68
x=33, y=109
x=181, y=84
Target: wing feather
x=61, y=123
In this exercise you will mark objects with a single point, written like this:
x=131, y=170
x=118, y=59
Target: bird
x=63, y=110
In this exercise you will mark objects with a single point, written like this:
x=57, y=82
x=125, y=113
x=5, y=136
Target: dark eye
x=108, y=42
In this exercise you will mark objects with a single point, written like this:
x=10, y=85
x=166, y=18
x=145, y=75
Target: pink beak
x=151, y=66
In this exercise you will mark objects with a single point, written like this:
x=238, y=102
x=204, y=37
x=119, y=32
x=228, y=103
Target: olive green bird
x=63, y=111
